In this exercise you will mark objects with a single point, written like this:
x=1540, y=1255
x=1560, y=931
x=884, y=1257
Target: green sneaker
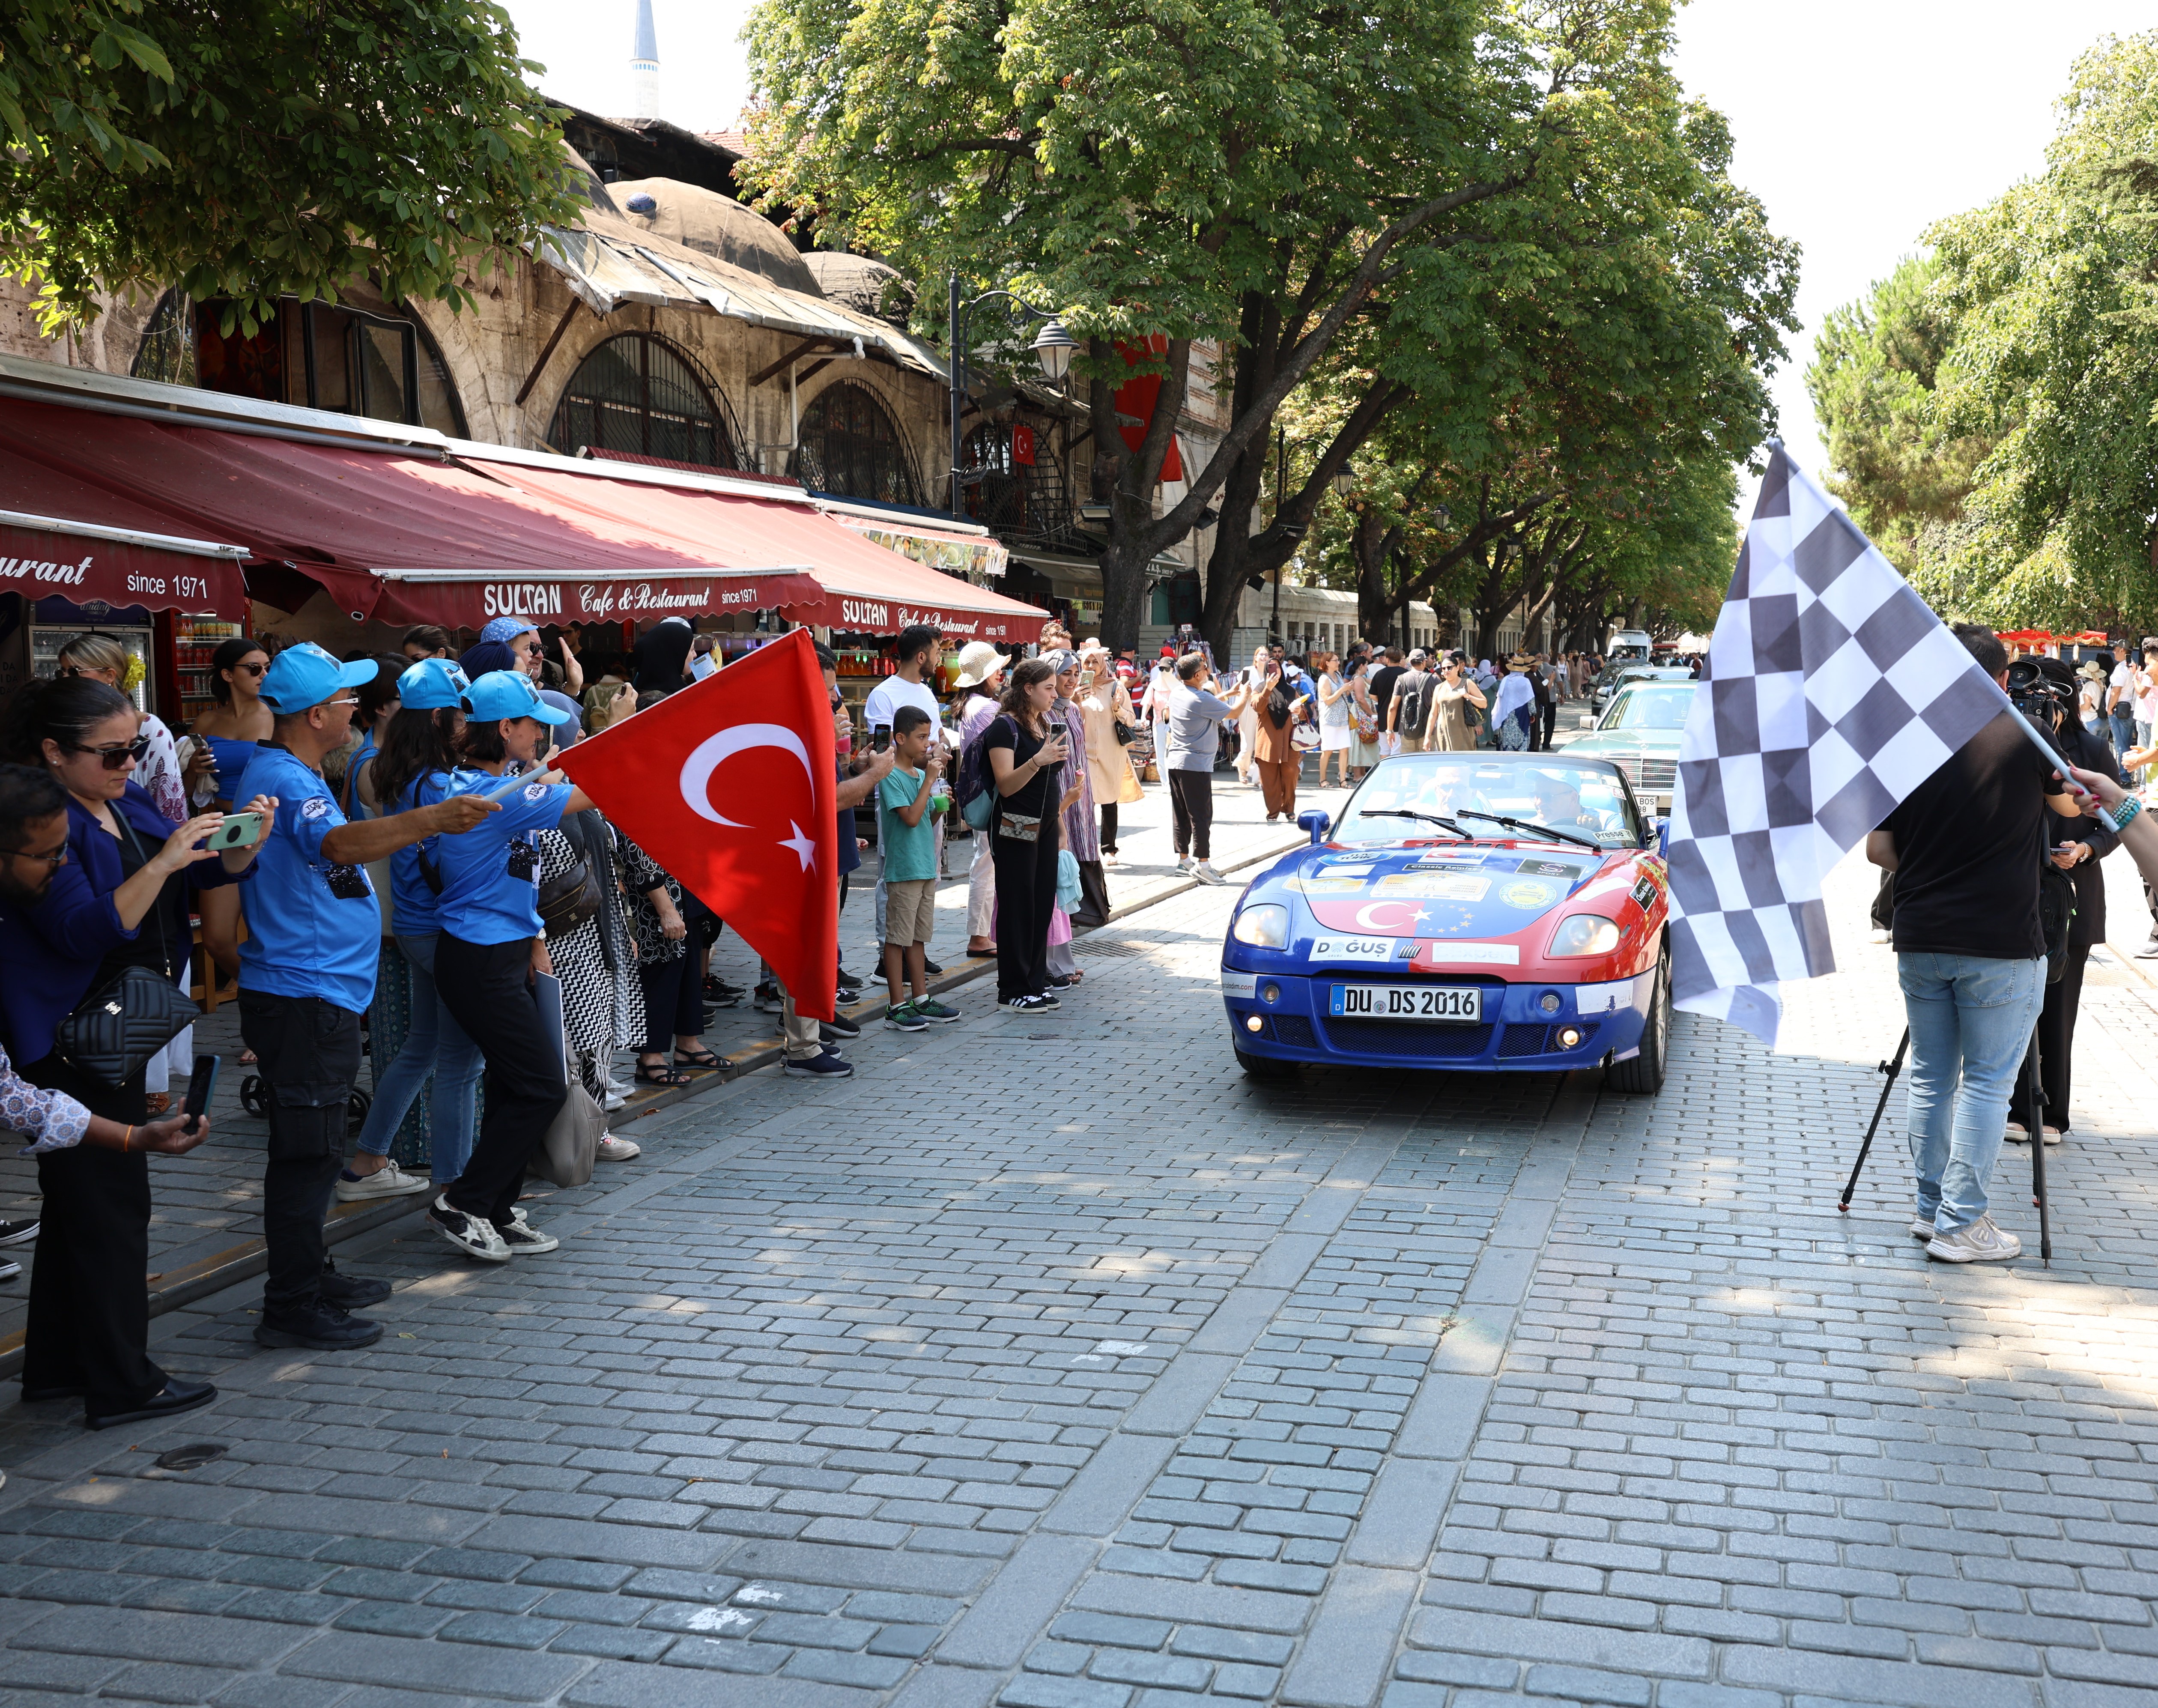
x=905, y=1018
x=932, y=1009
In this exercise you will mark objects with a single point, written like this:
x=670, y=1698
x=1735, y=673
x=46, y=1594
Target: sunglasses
x=253, y=669
x=532, y=651
x=115, y=757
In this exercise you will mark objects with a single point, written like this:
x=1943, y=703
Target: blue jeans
x=2122, y=724
x=1971, y=1017
x=436, y=1045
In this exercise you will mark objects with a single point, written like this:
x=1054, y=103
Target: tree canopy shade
x=275, y=146
x=1993, y=412
x=1450, y=208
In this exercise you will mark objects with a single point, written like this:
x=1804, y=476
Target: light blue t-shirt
x=313, y=925
x=490, y=873
x=910, y=851
x=419, y=911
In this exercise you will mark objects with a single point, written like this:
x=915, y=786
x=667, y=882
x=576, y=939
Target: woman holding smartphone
x=1026, y=749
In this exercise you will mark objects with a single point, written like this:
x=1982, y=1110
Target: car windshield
x=1589, y=800
x=1651, y=706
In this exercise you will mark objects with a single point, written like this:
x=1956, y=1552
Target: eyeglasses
x=115, y=757
x=50, y=860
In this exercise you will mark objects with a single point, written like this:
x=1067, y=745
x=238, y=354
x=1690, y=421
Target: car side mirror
x=1587, y=721
x=1313, y=824
x=1659, y=832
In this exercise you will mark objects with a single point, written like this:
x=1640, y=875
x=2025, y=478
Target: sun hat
x=303, y=675
x=509, y=693
x=979, y=661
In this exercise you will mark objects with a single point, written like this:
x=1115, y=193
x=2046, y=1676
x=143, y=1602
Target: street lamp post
x=1052, y=346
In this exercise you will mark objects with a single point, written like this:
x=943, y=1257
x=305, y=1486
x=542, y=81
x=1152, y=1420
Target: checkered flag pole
x=1830, y=693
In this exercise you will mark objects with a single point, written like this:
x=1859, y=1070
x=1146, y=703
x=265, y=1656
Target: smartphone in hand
x=201, y=1084
x=240, y=830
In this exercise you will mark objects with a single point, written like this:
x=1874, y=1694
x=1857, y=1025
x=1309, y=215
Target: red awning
x=408, y=538
x=404, y=538
x=861, y=585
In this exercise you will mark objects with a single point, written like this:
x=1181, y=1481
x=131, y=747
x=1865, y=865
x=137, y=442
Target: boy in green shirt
x=907, y=802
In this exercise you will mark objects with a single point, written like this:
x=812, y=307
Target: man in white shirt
x=919, y=650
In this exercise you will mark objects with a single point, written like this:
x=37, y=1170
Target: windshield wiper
x=1427, y=818
x=1532, y=828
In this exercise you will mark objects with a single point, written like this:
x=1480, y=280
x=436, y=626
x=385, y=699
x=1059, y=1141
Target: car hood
x=1432, y=891
x=1663, y=744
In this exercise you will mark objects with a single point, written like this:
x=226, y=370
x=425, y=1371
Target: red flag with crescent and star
x=729, y=785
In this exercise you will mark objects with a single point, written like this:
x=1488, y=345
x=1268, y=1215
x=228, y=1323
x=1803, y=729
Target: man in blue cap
x=306, y=972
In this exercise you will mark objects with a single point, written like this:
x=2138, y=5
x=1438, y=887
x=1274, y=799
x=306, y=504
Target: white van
x=1632, y=644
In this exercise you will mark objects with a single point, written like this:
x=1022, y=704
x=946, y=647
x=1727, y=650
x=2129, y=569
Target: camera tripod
x=2033, y=1102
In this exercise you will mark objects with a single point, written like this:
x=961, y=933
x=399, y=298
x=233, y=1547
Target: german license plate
x=1407, y=1002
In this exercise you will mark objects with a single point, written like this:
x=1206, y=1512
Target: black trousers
x=88, y=1322
x=487, y=989
x=1109, y=828
x=673, y=1001
x=1191, y=809
x=1550, y=723
x=2057, y=1037
x=1026, y=891
x=308, y=1052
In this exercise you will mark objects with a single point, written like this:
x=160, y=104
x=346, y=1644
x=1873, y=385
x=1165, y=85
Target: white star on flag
x=800, y=843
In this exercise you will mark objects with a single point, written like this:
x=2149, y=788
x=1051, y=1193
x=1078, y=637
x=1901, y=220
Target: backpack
x=976, y=799
x=1409, y=719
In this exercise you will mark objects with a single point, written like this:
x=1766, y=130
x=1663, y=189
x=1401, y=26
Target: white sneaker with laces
x=472, y=1235
x=1204, y=871
x=618, y=1150
x=1975, y=1242
x=388, y=1181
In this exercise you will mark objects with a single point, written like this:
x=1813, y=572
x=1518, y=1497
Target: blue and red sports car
x=1489, y=912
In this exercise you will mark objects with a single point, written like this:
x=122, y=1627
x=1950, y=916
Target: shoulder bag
x=571, y=898
x=115, y=1030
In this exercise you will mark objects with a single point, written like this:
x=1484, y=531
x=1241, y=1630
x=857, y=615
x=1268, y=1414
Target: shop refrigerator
x=32, y=635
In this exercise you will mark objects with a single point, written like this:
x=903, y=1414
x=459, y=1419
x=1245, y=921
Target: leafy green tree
x=1414, y=201
x=2053, y=294
x=278, y=146
x=1872, y=380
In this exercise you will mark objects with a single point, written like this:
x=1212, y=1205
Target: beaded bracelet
x=2129, y=809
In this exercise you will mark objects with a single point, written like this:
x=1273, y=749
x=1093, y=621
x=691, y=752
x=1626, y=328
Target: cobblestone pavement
x=1048, y=1364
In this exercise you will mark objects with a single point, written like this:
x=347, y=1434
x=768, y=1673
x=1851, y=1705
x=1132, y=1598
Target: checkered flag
x=1830, y=693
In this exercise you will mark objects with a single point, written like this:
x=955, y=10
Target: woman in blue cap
x=489, y=948
x=416, y=766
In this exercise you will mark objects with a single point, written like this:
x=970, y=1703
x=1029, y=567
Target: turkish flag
x=728, y=784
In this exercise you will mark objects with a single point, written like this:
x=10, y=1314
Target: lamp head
x=1053, y=347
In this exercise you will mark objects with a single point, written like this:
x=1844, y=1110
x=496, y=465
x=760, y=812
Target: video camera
x=2038, y=694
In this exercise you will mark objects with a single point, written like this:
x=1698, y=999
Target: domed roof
x=863, y=284
x=713, y=225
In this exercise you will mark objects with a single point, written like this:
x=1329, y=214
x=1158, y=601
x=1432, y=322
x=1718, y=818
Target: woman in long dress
x=1104, y=702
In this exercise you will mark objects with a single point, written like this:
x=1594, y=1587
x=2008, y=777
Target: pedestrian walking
x=307, y=974
x=1411, y=710
x=1513, y=706
x=1363, y=720
x=1027, y=749
x=1276, y=755
x=1334, y=737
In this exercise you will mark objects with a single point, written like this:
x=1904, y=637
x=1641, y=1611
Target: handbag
x=568, y=899
x=1019, y=827
x=570, y=1145
x=1125, y=733
x=113, y=1032
x=1366, y=724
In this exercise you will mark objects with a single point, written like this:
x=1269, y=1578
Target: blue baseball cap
x=509, y=693
x=507, y=628
x=433, y=684
x=304, y=676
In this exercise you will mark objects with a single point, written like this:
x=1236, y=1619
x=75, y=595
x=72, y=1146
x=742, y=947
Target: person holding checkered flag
x=1837, y=706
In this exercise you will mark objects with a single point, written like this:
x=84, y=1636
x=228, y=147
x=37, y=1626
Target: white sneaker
x=614, y=1099
x=618, y=1150
x=1922, y=1227
x=1977, y=1242
x=523, y=1240
x=472, y=1235
x=388, y=1181
x=1204, y=871
x=1184, y=862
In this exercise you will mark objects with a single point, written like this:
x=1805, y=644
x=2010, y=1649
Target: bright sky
x=1857, y=122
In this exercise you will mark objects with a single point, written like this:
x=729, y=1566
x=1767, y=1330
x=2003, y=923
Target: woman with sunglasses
x=230, y=729
x=118, y=898
x=102, y=658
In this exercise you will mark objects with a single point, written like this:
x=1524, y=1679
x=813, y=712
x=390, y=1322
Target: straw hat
x=979, y=661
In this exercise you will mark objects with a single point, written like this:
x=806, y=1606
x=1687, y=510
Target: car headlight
x=1264, y=925
x=1584, y=934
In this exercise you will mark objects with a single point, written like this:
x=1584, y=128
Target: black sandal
x=703, y=1062
x=658, y=1073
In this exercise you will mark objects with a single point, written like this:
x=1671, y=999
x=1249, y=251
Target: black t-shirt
x=1968, y=843
x=1031, y=796
x=1382, y=687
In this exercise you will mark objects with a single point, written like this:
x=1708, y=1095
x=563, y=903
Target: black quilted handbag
x=114, y=1031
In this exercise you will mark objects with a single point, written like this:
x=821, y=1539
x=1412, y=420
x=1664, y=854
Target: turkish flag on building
x=729, y=785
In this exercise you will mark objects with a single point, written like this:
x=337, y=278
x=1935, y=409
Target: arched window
x=850, y=448
x=638, y=393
